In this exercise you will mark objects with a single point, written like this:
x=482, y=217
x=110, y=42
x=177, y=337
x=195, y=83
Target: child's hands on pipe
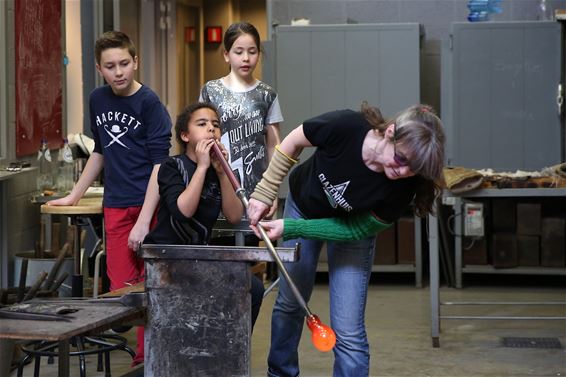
x=202, y=152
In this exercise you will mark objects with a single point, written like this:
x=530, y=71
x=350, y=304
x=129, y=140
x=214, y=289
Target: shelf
x=457, y=201
x=510, y=193
x=487, y=269
x=323, y=267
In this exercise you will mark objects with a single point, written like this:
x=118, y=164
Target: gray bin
x=37, y=265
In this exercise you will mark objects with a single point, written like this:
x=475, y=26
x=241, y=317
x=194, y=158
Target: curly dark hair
x=182, y=122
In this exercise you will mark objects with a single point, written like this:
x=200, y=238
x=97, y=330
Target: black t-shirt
x=172, y=226
x=335, y=182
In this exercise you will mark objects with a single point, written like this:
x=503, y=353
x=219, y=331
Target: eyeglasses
x=398, y=158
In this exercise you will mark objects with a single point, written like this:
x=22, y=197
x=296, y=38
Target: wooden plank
x=85, y=206
x=139, y=287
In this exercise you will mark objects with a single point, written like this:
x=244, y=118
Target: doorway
x=189, y=43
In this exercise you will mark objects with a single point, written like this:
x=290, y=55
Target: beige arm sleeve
x=266, y=190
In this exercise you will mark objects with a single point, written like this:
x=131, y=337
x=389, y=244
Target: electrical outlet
x=473, y=219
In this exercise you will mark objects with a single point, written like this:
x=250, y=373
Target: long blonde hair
x=419, y=130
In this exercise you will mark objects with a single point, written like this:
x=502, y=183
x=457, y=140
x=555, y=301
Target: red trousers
x=123, y=266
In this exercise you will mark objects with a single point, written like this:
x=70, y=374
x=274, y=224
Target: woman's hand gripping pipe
x=323, y=337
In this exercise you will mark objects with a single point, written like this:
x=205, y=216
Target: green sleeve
x=334, y=229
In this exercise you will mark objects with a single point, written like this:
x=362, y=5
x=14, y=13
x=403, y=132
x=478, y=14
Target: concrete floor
x=398, y=322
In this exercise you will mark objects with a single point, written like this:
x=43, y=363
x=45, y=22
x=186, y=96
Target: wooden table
x=91, y=318
x=85, y=207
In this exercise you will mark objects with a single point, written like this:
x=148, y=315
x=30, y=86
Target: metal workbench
x=199, y=312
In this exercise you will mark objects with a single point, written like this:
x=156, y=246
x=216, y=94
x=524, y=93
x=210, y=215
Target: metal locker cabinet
x=321, y=68
x=499, y=85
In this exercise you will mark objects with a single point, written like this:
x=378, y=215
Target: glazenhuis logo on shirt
x=116, y=124
x=335, y=193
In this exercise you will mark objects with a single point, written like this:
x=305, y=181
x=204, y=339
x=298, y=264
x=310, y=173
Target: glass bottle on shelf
x=44, y=175
x=65, y=177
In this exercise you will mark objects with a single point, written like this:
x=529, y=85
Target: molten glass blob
x=323, y=337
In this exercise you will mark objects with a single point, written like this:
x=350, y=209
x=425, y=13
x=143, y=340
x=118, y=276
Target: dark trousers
x=257, y=297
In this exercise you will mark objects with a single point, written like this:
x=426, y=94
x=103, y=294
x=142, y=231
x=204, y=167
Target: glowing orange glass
x=323, y=337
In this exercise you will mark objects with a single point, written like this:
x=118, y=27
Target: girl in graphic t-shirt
x=249, y=114
x=249, y=108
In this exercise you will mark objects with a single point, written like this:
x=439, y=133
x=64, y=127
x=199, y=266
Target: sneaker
x=120, y=329
x=135, y=363
x=137, y=360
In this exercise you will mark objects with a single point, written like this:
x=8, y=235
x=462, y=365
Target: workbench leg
x=239, y=239
x=64, y=349
x=48, y=221
x=434, y=280
x=458, y=236
x=6, y=354
x=418, y=253
x=77, y=279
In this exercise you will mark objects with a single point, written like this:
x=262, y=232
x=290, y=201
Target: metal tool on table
x=40, y=310
x=56, y=309
x=132, y=300
x=323, y=337
x=9, y=314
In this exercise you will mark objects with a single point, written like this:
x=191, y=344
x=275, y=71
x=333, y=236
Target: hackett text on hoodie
x=133, y=134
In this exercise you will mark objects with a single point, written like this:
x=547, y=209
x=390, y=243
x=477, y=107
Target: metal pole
x=242, y=195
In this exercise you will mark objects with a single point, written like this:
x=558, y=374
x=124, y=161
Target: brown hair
x=420, y=131
x=113, y=39
x=237, y=29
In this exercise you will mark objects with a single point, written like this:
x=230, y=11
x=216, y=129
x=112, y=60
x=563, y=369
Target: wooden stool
x=85, y=207
x=101, y=345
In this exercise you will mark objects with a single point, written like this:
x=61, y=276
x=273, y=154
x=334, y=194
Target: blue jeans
x=349, y=270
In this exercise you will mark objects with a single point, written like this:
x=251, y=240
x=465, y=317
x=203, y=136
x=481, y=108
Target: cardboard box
x=385, y=247
x=503, y=215
x=553, y=242
x=529, y=219
x=406, y=240
x=504, y=250
x=476, y=253
x=528, y=249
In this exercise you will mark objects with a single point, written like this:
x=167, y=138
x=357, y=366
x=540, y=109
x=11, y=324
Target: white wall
x=74, y=83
